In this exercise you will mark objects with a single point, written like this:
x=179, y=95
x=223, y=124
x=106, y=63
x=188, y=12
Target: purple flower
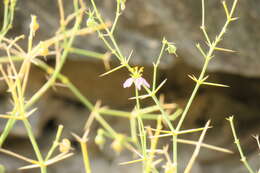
x=137, y=81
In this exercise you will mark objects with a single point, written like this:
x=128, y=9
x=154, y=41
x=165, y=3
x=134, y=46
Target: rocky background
x=141, y=28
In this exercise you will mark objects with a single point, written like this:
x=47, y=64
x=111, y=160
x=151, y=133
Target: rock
x=128, y=40
x=144, y=23
x=179, y=21
x=141, y=28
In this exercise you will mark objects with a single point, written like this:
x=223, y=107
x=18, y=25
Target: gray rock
x=179, y=21
x=141, y=28
x=145, y=22
x=145, y=48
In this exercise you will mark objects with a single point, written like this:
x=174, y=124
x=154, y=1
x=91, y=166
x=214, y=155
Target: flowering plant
x=136, y=78
x=143, y=140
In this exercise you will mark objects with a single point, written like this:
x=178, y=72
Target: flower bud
x=171, y=49
x=122, y=4
x=117, y=144
x=169, y=168
x=100, y=139
x=44, y=51
x=34, y=26
x=91, y=22
x=65, y=145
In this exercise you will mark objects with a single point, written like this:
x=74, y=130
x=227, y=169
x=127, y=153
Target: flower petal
x=138, y=82
x=128, y=82
x=145, y=83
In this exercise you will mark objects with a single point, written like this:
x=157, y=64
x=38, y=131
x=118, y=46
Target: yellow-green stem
x=34, y=144
x=243, y=157
x=84, y=151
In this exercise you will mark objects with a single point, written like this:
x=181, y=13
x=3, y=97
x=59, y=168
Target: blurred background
x=141, y=28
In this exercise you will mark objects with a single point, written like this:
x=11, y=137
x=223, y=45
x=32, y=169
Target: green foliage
x=142, y=140
x=2, y=169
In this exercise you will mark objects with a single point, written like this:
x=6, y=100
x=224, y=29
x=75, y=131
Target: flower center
x=136, y=72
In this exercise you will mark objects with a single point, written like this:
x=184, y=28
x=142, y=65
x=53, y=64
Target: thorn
x=211, y=57
x=140, y=97
x=215, y=84
x=204, y=78
x=193, y=78
x=223, y=49
x=230, y=118
x=113, y=70
x=160, y=86
x=129, y=56
x=76, y=137
x=234, y=18
x=200, y=49
x=132, y=161
x=31, y=112
x=226, y=9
